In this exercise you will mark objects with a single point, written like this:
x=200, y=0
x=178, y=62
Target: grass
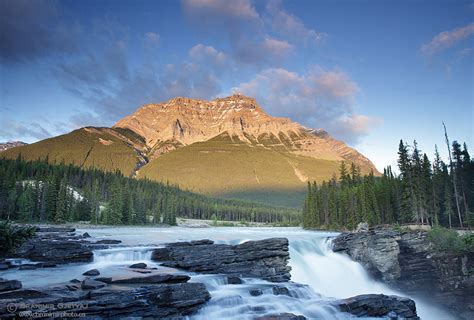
x=84, y=148
x=230, y=168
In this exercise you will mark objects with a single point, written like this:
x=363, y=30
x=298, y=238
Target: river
x=325, y=275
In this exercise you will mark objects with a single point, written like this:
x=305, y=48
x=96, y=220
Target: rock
x=140, y=265
x=92, y=272
x=142, y=271
x=234, y=280
x=408, y=262
x=86, y=235
x=3, y=266
x=27, y=267
x=72, y=287
x=54, y=248
x=7, y=285
x=55, y=229
x=108, y=241
x=282, y=316
x=23, y=294
x=49, y=265
x=255, y=292
x=281, y=291
x=75, y=281
x=104, y=279
x=161, y=301
x=89, y=284
x=379, y=305
x=266, y=259
x=362, y=227
x=156, y=278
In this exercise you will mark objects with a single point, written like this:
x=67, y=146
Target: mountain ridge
x=228, y=147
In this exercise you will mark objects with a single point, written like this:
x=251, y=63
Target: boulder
x=92, y=272
x=266, y=259
x=86, y=235
x=281, y=291
x=89, y=284
x=234, y=280
x=140, y=265
x=156, y=278
x=255, y=292
x=379, y=305
x=7, y=285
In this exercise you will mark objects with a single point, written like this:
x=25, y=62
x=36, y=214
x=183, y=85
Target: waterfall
x=122, y=255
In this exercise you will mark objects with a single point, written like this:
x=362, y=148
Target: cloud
x=447, y=39
x=12, y=129
x=30, y=29
x=290, y=25
x=355, y=125
x=152, y=37
x=221, y=10
x=261, y=52
x=208, y=54
x=319, y=98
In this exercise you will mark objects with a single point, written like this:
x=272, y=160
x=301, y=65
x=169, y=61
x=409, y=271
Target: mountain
x=11, y=144
x=227, y=147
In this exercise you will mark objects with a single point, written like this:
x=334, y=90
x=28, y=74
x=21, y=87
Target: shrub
x=12, y=236
x=448, y=240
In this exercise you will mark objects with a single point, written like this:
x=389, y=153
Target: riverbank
x=120, y=270
x=413, y=262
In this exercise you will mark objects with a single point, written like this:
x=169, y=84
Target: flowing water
x=320, y=274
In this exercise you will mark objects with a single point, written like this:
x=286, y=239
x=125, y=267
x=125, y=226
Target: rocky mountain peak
x=182, y=121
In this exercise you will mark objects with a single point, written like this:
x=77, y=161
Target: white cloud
x=447, y=39
x=204, y=53
x=235, y=9
x=319, y=98
x=290, y=25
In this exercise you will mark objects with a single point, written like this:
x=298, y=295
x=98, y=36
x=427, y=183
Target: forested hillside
x=35, y=191
x=425, y=192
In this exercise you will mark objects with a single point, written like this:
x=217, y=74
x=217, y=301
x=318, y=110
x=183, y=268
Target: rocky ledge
x=58, y=245
x=265, y=259
x=157, y=301
x=379, y=305
x=408, y=261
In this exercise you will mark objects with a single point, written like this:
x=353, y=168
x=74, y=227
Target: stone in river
x=140, y=265
x=92, y=272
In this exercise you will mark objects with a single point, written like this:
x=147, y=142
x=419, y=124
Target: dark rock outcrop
x=6, y=285
x=154, y=302
x=407, y=261
x=88, y=284
x=156, y=278
x=379, y=305
x=92, y=272
x=266, y=259
x=55, y=246
x=140, y=265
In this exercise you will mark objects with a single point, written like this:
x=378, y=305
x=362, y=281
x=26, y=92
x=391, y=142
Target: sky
x=368, y=72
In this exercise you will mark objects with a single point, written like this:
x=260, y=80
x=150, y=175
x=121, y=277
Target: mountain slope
x=227, y=147
x=11, y=144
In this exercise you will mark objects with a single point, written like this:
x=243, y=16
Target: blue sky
x=369, y=72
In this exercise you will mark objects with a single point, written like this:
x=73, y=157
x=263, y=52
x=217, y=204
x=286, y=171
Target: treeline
x=35, y=191
x=425, y=192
